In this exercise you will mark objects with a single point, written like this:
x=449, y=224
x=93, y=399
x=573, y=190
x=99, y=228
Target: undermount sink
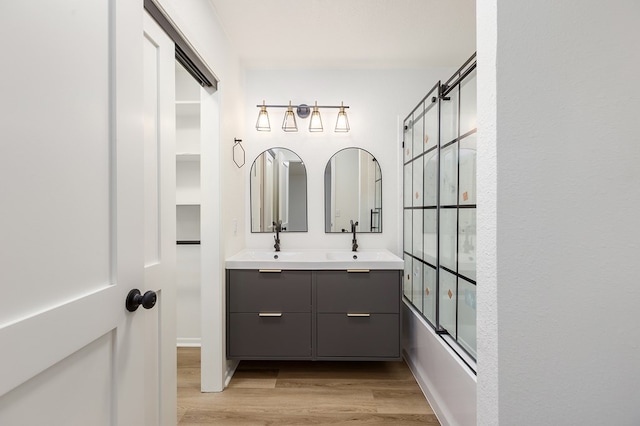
x=315, y=259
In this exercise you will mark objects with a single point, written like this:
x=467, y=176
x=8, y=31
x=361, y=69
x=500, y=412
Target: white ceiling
x=349, y=33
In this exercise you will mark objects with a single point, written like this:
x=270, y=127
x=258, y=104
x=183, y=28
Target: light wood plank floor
x=303, y=393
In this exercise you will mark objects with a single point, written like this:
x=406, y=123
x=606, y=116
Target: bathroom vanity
x=314, y=305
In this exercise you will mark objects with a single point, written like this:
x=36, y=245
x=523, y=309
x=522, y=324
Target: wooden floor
x=303, y=393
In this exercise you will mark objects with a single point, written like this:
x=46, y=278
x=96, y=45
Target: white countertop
x=315, y=259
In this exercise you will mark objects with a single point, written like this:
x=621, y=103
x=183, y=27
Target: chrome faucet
x=354, y=241
x=277, y=227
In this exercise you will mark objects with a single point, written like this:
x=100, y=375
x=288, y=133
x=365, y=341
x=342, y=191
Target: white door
x=72, y=210
x=160, y=222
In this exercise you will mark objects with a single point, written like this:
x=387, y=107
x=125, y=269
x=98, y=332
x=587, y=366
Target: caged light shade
x=289, y=122
x=263, y=124
x=316, y=121
x=342, y=123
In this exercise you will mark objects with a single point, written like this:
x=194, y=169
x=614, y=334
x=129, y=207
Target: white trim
x=212, y=273
x=231, y=370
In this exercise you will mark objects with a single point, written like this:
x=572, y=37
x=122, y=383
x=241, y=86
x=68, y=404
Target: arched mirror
x=353, y=192
x=278, y=191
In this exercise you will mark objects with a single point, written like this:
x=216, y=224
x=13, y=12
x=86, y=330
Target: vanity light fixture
x=342, y=123
x=315, y=124
x=289, y=123
x=262, y=124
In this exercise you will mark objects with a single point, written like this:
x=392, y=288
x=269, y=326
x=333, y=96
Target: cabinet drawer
x=375, y=291
x=368, y=337
x=254, y=291
x=253, y=336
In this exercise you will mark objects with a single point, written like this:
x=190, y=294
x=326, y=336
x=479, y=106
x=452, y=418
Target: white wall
x=557, y=237
x=378, y=100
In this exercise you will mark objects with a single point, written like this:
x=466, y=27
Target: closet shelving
x=187, y=157
x=188, y=218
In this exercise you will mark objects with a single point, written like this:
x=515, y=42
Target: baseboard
x=189, y=342
x=447, y=383
x=231, y=369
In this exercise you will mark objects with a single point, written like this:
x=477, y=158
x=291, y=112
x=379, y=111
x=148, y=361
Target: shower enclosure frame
x=439, y=251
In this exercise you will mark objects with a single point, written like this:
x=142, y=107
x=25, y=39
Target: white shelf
x=187, y=156
x=188, y=196
x=187, y=201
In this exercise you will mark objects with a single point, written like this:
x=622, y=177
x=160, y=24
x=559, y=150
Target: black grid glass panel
x=439, y=203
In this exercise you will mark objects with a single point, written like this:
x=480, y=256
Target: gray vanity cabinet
x=268, y=314
x=323, y=315
x=358, y=314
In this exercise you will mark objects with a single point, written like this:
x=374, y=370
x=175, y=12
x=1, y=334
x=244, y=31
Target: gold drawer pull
x=357, y=270
x=270, y=270
x=358, y=315
x=270, y=314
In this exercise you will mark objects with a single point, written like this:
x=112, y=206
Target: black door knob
x=135, y=299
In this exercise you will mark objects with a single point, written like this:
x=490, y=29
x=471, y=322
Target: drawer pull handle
x=357, y=270
x=270, y=314
x=270, y=270
x=359, y=315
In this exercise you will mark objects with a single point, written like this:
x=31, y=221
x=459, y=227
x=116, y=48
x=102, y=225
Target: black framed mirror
x=278, y=191
x=353, y=192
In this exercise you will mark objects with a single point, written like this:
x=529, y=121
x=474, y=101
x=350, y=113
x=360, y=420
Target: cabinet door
x=254, y=291
x=283, y=336
x=374, y=336
x=372, y=292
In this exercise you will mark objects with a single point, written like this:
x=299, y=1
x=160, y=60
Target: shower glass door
x=440, y=209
